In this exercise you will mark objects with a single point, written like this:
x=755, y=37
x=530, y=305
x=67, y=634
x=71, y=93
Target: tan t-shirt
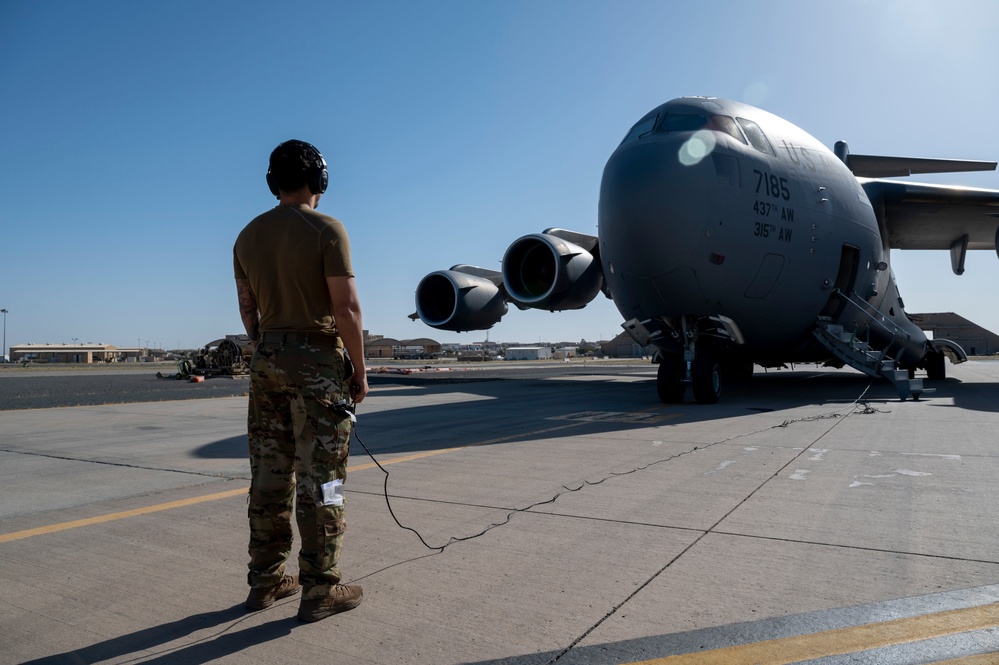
x=286, y=255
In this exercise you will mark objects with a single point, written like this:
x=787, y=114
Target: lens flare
x=697, y=147
x=756, y=93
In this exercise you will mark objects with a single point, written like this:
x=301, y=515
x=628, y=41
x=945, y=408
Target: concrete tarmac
x=810, y=516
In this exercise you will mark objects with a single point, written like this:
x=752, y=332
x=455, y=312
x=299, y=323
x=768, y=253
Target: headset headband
x=317, y=178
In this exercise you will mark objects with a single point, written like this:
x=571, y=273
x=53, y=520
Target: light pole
x=4, y=311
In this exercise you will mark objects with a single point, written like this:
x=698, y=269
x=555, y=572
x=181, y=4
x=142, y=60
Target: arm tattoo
x=248, y=308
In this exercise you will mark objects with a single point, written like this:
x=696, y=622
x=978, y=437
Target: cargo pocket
x=332, y=437
x=334, y=526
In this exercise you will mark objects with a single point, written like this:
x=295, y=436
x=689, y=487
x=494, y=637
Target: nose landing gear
x=670, y=382
x=703, y=375
x=698, y=365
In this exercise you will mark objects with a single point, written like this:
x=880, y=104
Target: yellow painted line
x=846, y=640
x=75, y=524
x=407, y=458
x=980, y=659
x=170, y=505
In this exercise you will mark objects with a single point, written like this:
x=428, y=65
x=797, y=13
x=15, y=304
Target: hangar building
x=974, y=339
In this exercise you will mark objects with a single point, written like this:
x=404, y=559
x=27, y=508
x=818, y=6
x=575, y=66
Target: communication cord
x=857, y=406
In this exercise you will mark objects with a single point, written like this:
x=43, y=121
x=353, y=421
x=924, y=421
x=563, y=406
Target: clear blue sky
x=135, y=137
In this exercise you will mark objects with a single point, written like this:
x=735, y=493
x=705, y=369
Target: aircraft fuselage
x=711, y=207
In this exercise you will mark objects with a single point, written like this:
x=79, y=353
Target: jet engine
x=547, y=271
x=460, y=299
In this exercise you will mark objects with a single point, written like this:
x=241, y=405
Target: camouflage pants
x=297, y=443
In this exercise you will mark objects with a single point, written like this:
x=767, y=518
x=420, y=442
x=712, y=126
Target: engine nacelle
x=458, y=301
x=547, y=272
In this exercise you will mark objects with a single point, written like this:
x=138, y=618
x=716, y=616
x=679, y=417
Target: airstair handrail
x=878, y=318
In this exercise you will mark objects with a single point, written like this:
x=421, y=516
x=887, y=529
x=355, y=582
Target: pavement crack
x=631, y=595
x=858, y=406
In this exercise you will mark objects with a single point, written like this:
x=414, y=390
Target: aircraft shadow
x=528, y=408
x=234, y=447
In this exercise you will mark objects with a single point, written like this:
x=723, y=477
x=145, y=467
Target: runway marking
x=980, y=659
x=617, y=417
x=75, y=524
x=407, y=458
x=844, y=641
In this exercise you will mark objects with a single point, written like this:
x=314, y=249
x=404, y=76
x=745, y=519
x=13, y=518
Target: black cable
x=385, y=492
x=348, y=410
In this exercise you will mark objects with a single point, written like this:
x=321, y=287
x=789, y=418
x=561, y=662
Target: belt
x=304, y=338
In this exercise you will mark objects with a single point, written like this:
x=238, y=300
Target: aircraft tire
x=706, y=379
x=936, y=367
x=669, y=380
x=738, y=370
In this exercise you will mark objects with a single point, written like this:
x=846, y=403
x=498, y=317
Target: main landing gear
x=936, y=369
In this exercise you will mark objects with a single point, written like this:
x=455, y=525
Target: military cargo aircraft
x=729, y=237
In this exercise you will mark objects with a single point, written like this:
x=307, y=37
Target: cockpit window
x=726, y=125
x=692, y=122
x=642, y=127
x=682, y=122
x=756, y=137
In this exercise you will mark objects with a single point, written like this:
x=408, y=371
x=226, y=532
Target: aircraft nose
x=652, y=207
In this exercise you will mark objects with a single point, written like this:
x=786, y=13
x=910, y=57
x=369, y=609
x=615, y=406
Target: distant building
x=430, y=347
x=387, y=347
x=455, y=349
x=528, y=353
x=81, y=353
x=623, y=346
x=382, y=347
x=974, y=339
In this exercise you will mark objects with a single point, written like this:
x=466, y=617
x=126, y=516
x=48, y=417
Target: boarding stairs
x=858, y=354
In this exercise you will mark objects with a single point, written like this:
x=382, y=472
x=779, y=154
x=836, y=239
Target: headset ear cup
x=324, y=181
x=320, y=178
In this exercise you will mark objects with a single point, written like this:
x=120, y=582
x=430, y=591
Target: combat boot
x=263, y=597
x=326, y=600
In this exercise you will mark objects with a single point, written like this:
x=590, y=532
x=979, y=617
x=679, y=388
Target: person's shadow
x=226, y=642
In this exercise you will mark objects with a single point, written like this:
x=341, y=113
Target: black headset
x=317, y=178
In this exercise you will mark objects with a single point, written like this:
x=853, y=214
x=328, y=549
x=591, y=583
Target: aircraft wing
x=922, y=216
x=880, y=166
